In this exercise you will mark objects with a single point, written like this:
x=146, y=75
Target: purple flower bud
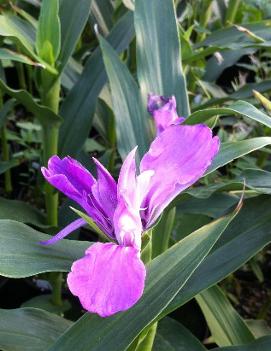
x=164, y=112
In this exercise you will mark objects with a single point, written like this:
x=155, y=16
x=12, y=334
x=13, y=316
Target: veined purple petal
x=97, y=197
x=68, y=176
x=101, y=202
x=108, y=279
x=164, y=111
x=65, y=231
x=105, y=190
x=179, y=157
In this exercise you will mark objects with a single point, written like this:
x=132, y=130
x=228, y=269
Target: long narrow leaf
x=21, y=254
x=158, y=52
x=239, y=108
x=79, y=106
x=29, y=329
x=167, y=274
x=173, y=336
x=226, y=325
x=73, y=17
x=246, y=235
x=131, y=125
x=231, y=150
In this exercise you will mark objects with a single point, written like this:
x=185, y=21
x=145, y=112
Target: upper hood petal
x=179, y=156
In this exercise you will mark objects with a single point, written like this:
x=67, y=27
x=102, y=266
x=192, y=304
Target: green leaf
x=6, y=54
x=242, y=93
x=255, y=179
x=22, y=212
x=167, y=275
x=262, y=344
x=20, y=31
x=5, y=110
x=29, y=329
x=45, y=302
x=240, y=108
x=258, y=327
x=73, y=18
x=246, y=235
x=229, y=58
x=231, y=37
x=21, y=254
x=48, y=33
x=162, y=231
x=102, y=12
x=6, y=165
x=215, y=206
x=158, y=52
x=23, y=34
x=42, y=113
x=231, y=150
x=79, y=106
x=226, y=325
x=131, y=125
x=173, y=336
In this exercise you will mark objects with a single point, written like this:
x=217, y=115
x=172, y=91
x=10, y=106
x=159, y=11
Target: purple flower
x=110, y=277
x=164, y=112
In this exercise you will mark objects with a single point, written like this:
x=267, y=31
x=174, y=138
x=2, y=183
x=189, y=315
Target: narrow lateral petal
x=164, y=112
x=97, y=197
x=68, y=176
x=65, y=231
x=108, y=279
x=105, y=190
x=179, y=156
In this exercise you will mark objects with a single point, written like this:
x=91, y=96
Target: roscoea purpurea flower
x=110, y=276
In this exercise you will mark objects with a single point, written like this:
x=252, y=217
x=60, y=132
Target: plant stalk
x=147, y=343
x=56, y=282
x=50, y=96
x=5, y=153
x=205, y=15
x=144, y=342
x=21, y=75
x=6, y=158
x=232, y=11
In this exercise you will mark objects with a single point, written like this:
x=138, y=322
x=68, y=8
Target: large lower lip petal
x=108, y=279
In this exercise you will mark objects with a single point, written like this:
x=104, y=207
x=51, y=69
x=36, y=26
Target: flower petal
x=68, y=176
x=164, y=111
x=105, y=190
x=131, y=190
x=97, y=197
x=179, y=157
x=108, y=279
x=65, y=231
x=127, y=221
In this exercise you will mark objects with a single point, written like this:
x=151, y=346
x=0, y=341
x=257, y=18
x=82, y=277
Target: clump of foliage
x=74, y=81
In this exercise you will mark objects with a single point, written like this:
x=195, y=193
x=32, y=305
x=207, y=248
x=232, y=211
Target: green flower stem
x=50, y=138
x=204, y=17
x=144, y=341
x=50, y=96
x=56, y=282
x=5, y=158
x=232, y=11
x=5, y=153
x=147, y=343
x=21, y=75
